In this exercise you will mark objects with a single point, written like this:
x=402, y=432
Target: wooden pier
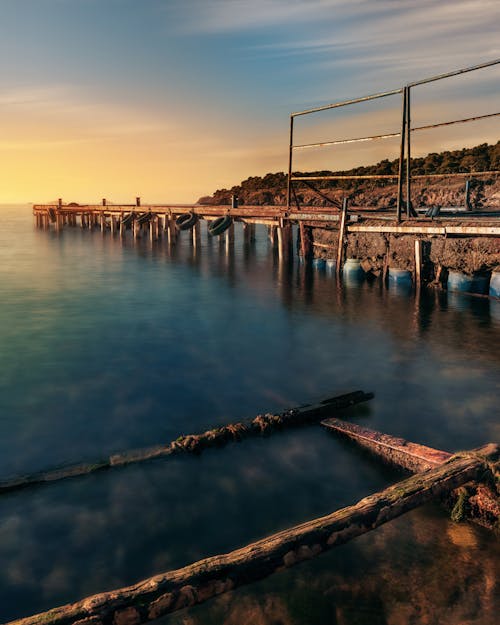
x=159, y=221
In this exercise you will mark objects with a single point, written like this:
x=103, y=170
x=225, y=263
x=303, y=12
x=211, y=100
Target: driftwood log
x=193, y=584
x=195, y=443
x=476, y=502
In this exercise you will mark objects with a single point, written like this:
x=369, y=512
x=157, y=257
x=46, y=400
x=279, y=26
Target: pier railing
x=405, y=134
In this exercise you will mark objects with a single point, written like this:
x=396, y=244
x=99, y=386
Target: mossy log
x=479, y=503
x=195, y=443
x=193, y=584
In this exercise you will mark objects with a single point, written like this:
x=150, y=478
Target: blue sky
x=172, y=99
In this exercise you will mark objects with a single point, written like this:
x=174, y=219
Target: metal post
x=408, y=154
x=342, y=229
x=401, y=158
x=468, y=205
x=290, y=159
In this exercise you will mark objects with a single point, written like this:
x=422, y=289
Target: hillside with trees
x=271, y=188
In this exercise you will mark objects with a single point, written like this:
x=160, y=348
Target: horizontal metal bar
x=367, y=177
x=466, y=230
x=295, y=216
x=342, y=141
x=347, y=102
x=455, y=121
x=456, y=174
x=454, y=73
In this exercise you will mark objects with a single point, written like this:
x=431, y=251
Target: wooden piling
x=172, y=231
x=272, y=235
x=306, y=243
x=418, y=263
x=284, y=231
x=196, y=235
x=229, y=238
x=174, y=590
x=248, y=233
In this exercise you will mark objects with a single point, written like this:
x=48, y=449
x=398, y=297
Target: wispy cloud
x=219, y=16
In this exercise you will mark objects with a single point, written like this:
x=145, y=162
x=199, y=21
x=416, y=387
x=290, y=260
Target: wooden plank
x=195, y=583
x=398, y=451
x=478, y=503
x=195, y=443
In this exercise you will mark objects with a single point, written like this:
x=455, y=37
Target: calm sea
x=107, y=344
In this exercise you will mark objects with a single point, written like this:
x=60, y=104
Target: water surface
x=109, y=344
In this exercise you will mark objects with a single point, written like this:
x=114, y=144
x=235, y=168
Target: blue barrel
x=400, y=276
x=352, y=270
x=319, y=263
x=458, y=281
x=331, y=265
x=480, y=284
x=495, y=284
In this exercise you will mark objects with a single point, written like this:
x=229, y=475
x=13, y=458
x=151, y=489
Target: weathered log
x=478, y=503
x=195, y=443
x=392, y=449
x=193, y=584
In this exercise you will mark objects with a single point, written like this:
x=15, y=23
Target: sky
x=172, y=99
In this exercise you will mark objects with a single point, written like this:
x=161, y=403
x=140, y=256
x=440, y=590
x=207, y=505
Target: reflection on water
x=109, y=344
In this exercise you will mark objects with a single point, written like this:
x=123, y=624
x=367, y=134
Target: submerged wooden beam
x=476, y=502
x=193, y=584
x=196, y=443
x=395, y=450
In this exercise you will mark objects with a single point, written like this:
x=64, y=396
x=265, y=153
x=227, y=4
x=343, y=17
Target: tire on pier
x=219, y=225
x=128, y=219
x=186, y=221
x=144, y=218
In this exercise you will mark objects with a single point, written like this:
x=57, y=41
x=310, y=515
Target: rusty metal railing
x=404, y=169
